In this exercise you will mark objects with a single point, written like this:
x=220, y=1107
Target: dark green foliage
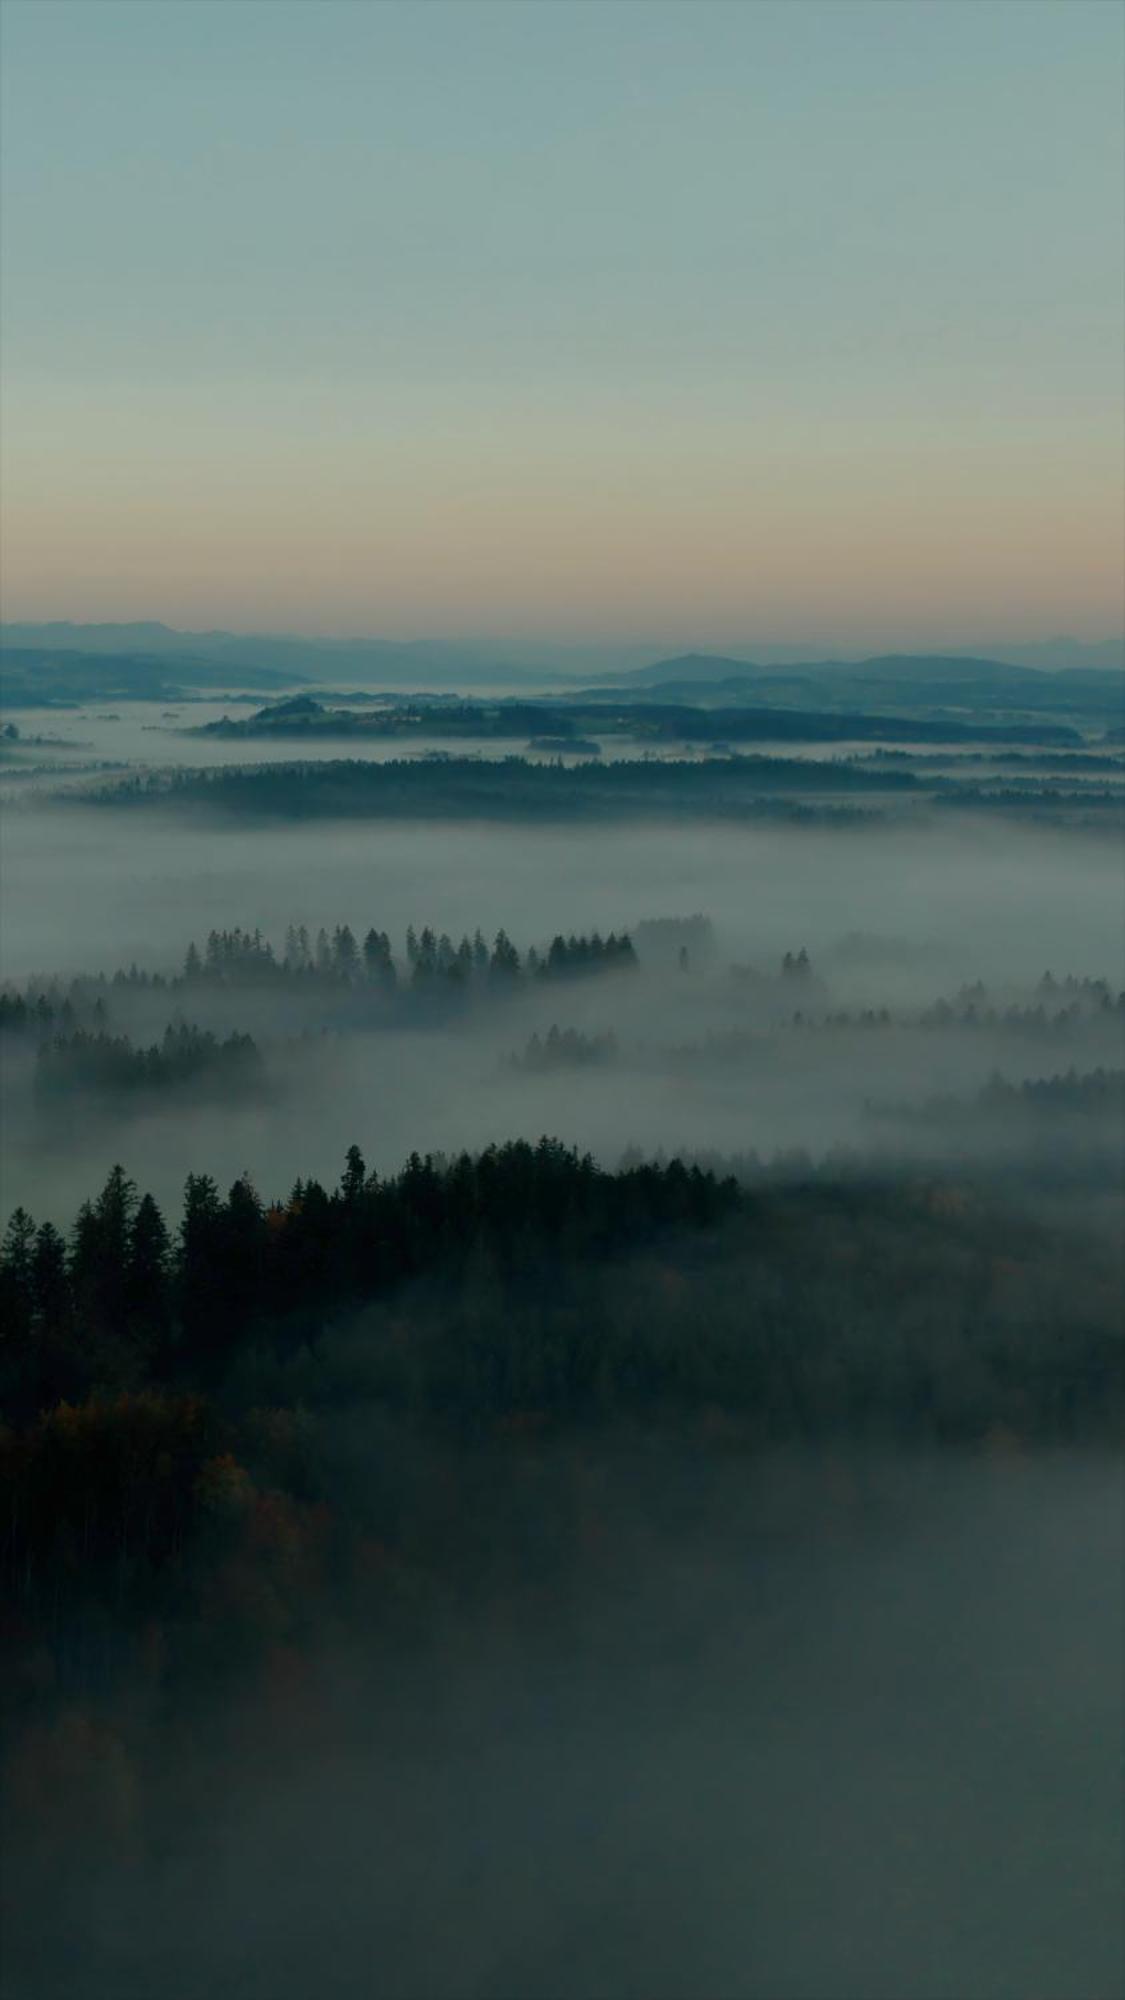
x=511, y=788
x=100, y=1254
x=572, y=956
x=378, y=964
x=16, y=1274
x=149, y=1275
x=35, y=1014
x=723, y=784
x=1044, y=1105
x=199, y=1297
x=51, y=1292
x=157, y=1475
x=666, y=718
x=567, y=1048
x=529, y=1274
x=112, y=1065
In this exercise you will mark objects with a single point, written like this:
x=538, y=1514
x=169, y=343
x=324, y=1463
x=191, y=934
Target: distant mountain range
x=303, y=657
x=935, y=684
x=52, y=676
x=714, y=669
x=66, y=663
x=233, y=657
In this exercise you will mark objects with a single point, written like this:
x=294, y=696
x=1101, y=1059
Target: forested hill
x=509, y=788
x=226, y=1437
x=529, y=1279
x=721, y=786
x=35, y=676
x=569, y=726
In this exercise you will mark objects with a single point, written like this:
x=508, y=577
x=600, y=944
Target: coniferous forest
x=327, y=1458
x=562, y=1001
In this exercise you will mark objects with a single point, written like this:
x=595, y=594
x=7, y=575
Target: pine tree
x=378, y=963
x=17, y=1296
x=354, y=1175
x=50, y=1284
x=425, y=957
x=199, y=1230
x=148, y=1276
x=345, y=956
x=504, y=965
x=99, y=1254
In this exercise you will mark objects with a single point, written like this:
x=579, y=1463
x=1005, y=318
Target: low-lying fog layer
x=452, y=1089
x=933, y=908
x=841, y=1728
x=54, y=744
x=464, y=1634
x=55, y=741
x=91, y=890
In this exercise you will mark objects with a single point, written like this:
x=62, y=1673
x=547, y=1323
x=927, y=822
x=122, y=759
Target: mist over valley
x=562, y=1000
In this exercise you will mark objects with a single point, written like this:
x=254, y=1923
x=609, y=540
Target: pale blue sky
x=801, y=319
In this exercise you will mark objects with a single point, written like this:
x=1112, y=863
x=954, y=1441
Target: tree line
x=125, y=1297
x=1094, y=1094
x=113, y=1065
x=514, y=788
x=566, y=1048
x=334, y=959
x=172, y=1501
x=505, y=1238
x=238, y=955
x=39, y=1013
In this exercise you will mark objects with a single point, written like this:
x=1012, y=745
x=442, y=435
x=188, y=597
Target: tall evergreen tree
x=149, y=1261
x=50, y=1285
x=100, y=1251
x=345, y=955
x=354, y=1175
x=17, y=1294
x=199, y=1248
x=504, y=965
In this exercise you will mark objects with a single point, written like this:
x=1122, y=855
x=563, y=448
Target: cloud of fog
x=91, y=888
x=805, y=1729
x=935, y=906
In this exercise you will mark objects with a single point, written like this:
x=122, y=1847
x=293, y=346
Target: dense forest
x=722, y=785
x=160, y=1381
x=562, y=1031
x=111, y=1064
x=240, y=958
x=566, y=729
x=827, y=1202
x=331, y=961
x=508, y=788
x=359, y=1420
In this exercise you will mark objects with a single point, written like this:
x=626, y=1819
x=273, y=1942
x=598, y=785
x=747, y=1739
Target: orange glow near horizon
x=900, y=548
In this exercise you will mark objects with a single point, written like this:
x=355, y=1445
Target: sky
x=704, y=323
